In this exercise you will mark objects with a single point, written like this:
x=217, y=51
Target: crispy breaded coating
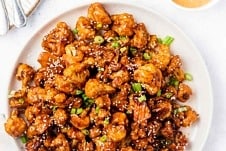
x=105, y=84
x=57, y=39
x=98, y=14
x=15, y=126
x=123, y=24
x=85, y=30
x=140, y=37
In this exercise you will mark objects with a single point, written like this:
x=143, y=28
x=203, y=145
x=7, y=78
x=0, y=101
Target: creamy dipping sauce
x=191, y=3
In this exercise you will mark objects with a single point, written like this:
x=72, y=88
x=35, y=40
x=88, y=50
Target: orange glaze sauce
x=191, y=3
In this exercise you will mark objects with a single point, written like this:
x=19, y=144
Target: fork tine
x=4, y=20
x=19, y=17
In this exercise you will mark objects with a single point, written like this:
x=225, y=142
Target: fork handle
x=19, y=18
x=4, y=20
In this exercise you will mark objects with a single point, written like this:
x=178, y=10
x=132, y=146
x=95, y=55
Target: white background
x=206, y=28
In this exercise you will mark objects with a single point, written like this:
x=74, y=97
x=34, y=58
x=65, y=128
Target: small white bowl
x=203, y=7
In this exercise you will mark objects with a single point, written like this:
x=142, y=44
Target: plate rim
x=141, y=6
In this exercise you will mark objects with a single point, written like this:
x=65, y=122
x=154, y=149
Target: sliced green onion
x=78, y=92
x=180, y=109
x=110, y=39
x=98, y=39
x=24, y=139
x=103, y=138
x=168, y=142
x=84, y=97
x=79, y=111
x=115, y=44
x=174, y=82
x=54, y=108
x=123, y=49
x=136, y=87
x=100, y=69
x=128, y=112
x=70, y=50
x=73, y=110
x=99, y=25
x=188, y=76
x=147, y=56
x=97, y=109
x=89, y=102
x=159, y=92
x=122, y=38
x=21, y=100
x=116, y=38
x=142, y=98
x=160, y=40
x=85, y=131
x=168, y=95
x=75, y=31
x=133, y=50
x=165, y=142
x=106, y=121
x=167, y=40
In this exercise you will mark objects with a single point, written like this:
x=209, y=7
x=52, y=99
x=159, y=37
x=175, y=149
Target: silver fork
x=19, y=17
x=4, y=20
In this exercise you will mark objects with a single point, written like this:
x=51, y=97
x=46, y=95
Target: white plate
x=202, y=99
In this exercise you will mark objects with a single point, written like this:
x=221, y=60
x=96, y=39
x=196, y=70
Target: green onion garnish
x=128, y=112
x=78, y=92
x=116, y=38
x=188, y=76
x=174, y=82
x=180, y=109
x=147, y=56
x=54, y=108
x=168, y=95
x=160, y=40
x=97, y=109
x=89, y=102
x=99, y=25
x=73, y=110
x=136, y=87
x=106, y=121
x=122, y=38
x=159, y=93
x=85, y=131
x=167, y=40
x=142, y=98
x=110, y=39
x=98, y=39
x=24, y=139
x=165, y=142
x=100, y=69
x=123, y=49
x=115, y=44
x=103, y=138
x=133, y=50
x=21, y=100
x=79, y=111
x=84, y=97
x=75, y=31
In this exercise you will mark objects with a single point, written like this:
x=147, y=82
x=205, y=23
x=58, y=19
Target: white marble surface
x=206, y=28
